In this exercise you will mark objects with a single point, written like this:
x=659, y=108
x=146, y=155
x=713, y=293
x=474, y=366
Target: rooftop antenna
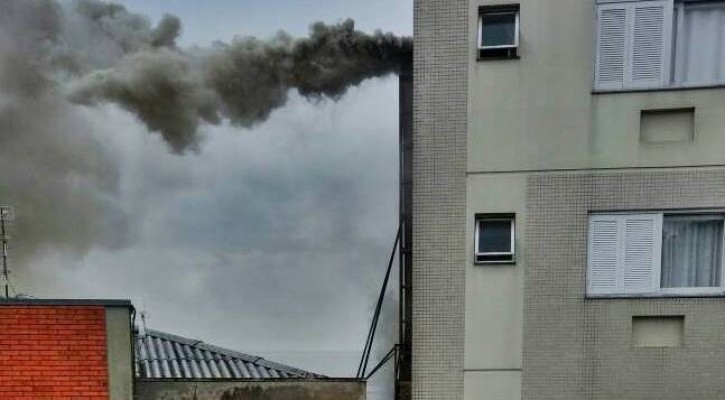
x=144, y=316
x=6, y=215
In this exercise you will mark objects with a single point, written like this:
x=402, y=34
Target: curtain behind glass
x=700, y=55
x=691, y=252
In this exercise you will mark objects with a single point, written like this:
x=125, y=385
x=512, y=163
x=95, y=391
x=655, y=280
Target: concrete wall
x=535, y=115
x=539, y=112
x=251, y=390
x=577, y=348
x=494, y=295
x=119, y=345
x=528, y=330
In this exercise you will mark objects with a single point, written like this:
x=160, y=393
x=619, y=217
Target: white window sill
x=665, y=293
x=660, y=89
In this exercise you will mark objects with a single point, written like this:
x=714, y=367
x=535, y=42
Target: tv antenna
x=144, y=316
x=6, y=215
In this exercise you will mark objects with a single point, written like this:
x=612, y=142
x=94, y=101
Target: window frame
x=672, y=28
x=478, y=256
x=493, y=52
x=659, y=291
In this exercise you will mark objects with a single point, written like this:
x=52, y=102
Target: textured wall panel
x=439, y=197
x=581, y=349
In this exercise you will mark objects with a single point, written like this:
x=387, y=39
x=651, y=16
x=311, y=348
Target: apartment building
x=568, y=200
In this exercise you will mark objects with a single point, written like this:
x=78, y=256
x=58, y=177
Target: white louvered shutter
x=604, y=249
x=641, y=253
x=612, y=32
x=650, y=44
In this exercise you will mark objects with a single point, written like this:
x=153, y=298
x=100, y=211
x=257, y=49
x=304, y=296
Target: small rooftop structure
x=88, y=349
x=161, y=355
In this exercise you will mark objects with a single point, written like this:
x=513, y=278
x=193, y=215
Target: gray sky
x=270, y=240
x=206, y=21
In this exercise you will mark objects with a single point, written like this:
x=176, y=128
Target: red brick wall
x=53, y=353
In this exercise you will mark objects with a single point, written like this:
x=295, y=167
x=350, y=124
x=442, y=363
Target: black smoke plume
x=173, y=91
x=60, y=60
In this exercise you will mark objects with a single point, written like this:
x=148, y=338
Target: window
x=699, y=58
x=498, y=32
x=659, y=43
x=655, y=254
x=495, y=238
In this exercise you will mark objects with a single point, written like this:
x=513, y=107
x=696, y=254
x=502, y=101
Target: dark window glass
x=494, y=236
x=491, y=258
x=498, y=29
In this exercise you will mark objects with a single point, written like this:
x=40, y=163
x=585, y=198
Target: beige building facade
x=593, y=131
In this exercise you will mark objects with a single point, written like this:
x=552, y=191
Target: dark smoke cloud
x=160, y=88
x=34, y=21
x=50, y=161
x=59, y=61
x=114, y=32
x=244, y=81
x=166, y=32
x=130, y=31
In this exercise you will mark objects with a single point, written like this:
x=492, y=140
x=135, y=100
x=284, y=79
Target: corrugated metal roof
x=162, y=355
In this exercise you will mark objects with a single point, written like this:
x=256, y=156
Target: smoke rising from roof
x=51, y=164
x=173, y=91
x=160, y=88
x=59, y=61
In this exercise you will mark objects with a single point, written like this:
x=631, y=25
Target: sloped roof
x=162, y=355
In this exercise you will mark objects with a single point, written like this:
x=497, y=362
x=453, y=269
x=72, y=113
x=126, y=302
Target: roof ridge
x=171, y=336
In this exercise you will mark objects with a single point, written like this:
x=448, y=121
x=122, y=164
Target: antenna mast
x=5, y=217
